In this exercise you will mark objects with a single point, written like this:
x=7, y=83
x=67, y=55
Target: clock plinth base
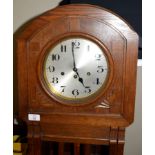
x=115, y=141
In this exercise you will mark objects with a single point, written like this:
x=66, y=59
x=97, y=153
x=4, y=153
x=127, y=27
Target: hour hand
x=81, y=80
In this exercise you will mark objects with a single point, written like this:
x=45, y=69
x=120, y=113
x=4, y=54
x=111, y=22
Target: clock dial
x=75, y=69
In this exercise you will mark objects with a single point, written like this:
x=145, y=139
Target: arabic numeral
x=51, y=68
x=87, y=90
x=63, y=48
x=55, y=57
x=98, y=56
x=76, y=44
x=97, y=81
x=63, y=89
x=75, y=92
x=55, y=80
x=100, y=69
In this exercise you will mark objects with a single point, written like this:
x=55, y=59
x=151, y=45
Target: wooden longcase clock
x=77, y=77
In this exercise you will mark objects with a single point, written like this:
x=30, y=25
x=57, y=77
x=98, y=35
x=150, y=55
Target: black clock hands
x=80, y=79
x=74, y=66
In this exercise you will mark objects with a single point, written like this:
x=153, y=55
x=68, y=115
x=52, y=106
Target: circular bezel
x=74, y=101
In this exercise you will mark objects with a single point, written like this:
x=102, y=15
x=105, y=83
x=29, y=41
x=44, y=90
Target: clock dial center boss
x=75, y=69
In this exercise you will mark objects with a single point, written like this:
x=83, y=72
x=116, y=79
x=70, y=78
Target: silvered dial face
x=75, y=69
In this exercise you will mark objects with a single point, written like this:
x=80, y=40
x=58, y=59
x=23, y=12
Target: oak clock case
x=75, y=70
x=79, y=97
x=113, y=99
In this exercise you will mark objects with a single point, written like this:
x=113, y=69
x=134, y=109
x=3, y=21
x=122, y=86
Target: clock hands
x=74, y=66
x=80, y=79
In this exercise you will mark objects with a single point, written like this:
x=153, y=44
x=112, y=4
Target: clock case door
x=115, y=105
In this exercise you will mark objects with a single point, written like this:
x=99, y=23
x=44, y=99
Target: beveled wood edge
x=121, y=135
x=128, y=111
x=112, y=14
x=22, y=97
x=98, y=120
x=113, y=135
x=116, y=136
x=76, y=139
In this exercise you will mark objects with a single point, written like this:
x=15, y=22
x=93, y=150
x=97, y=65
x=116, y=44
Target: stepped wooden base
x=115, y=142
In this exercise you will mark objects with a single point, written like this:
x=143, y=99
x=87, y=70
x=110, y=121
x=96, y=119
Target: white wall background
x=133, y=144
x=25, y=10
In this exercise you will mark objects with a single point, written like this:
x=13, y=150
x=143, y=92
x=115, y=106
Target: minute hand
x=74, y=65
